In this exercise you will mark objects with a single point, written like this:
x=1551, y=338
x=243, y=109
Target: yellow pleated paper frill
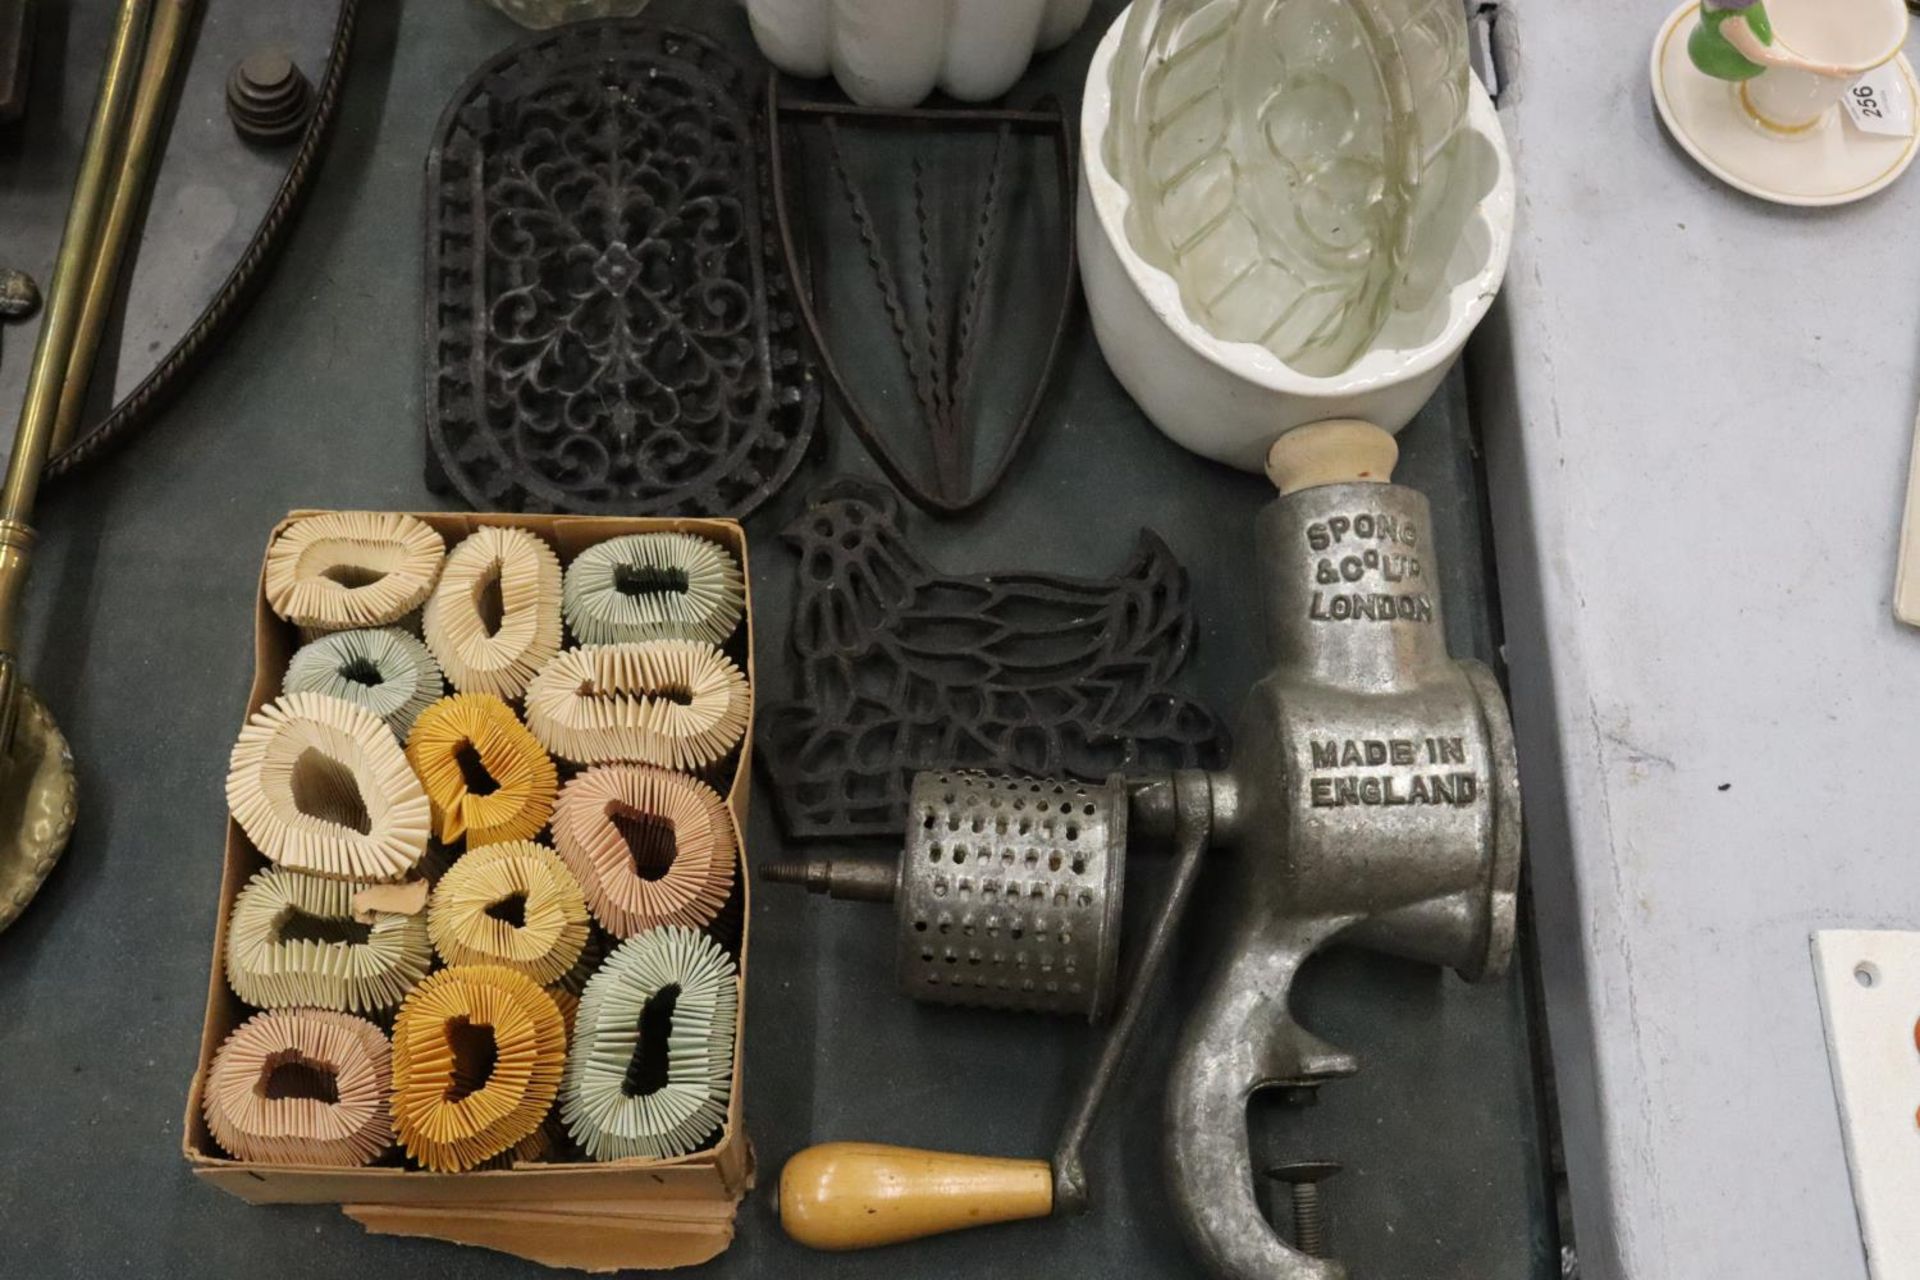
x=520, y=772
x=465, y=920
x=454, y=1103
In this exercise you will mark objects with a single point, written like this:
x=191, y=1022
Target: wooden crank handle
x=855, y=1195
x=1338, y=451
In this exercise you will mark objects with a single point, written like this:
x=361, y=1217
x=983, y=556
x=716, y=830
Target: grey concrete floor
x=139, y=640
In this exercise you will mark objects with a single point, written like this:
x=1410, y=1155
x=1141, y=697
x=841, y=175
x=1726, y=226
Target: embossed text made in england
x=1403, y=786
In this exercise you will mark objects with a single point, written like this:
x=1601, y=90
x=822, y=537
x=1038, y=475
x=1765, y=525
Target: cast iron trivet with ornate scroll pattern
x=902, y=668
x=611, y=331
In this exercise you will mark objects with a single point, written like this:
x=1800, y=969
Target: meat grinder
x=1373, y=799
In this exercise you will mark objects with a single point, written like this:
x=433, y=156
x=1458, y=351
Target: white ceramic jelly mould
x=893, y=53
x=1230, y=400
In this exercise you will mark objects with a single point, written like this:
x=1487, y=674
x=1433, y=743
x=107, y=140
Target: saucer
x=1831, y=163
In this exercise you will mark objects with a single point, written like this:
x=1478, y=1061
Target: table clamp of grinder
x=1373, y=798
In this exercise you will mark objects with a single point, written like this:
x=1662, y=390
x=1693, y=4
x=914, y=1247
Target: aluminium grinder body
x=1373, y=797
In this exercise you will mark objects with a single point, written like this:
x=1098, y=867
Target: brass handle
x=166, y=52
x=66, y=290
x=856, y=1195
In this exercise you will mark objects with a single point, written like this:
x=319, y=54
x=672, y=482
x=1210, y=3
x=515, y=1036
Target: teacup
x=1820, y=47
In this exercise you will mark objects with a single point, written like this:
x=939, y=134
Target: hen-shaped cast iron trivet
x=905, y=668
x=612, y=330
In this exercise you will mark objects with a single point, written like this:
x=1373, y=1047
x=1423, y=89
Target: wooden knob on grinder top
x=1337, y=451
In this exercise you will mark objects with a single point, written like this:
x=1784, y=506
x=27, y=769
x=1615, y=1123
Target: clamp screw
x=1309, y=1219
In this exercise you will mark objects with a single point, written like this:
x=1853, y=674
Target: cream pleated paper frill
x=289, y=943
x=450, y=1110
x=495, y=644
x=673, y=864
x=321, y=786
x=384, y=670
x=251, y=1123
x=608, y=1121
x=344, y=570
x=553, y=914
x=522, y=774
x=654, y=586
x=678, y=704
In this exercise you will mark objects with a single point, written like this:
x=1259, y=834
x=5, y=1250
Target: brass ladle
x=37, y=789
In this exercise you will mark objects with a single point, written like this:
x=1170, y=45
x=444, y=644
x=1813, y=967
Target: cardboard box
x=597, y=1216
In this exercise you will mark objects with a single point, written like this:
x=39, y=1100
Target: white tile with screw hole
x=1870, y=992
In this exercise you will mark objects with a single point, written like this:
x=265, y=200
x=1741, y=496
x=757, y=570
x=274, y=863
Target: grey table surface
x=1698, y=410
x=139, y=639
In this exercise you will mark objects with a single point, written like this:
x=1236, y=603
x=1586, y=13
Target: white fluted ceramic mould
x=1230, y=399
x=1286, y=157
x=893, y=53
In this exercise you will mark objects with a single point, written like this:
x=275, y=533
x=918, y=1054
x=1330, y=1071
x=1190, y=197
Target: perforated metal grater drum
x=1007, y=895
